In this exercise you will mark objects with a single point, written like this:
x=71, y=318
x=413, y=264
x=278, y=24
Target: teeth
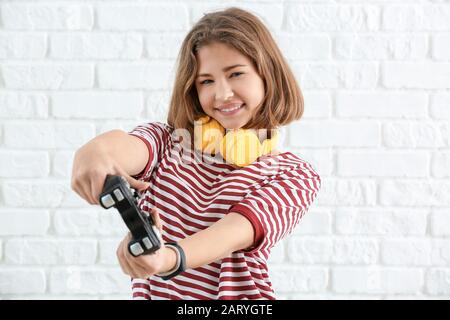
x=231, y=109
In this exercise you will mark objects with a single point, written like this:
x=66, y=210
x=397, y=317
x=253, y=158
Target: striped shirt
x=273, y=192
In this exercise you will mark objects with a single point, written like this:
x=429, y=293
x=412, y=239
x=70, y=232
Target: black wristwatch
x=181, y=262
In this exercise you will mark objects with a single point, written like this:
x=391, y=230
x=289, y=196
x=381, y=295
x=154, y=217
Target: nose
x=223, y=91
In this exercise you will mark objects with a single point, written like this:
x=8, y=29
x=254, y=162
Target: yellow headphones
x=239, y=146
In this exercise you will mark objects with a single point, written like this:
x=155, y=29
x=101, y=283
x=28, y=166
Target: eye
x=237, y=73
x=204, y=82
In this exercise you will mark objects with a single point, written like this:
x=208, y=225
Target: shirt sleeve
x=156, y=136
x=277, y=206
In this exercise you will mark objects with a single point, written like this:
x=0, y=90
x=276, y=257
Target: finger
x=85, y=186
x=95, y=190
x=77, y=187
x=122, y=259
x=136, y=271
x=135, y=184
x=156, y=218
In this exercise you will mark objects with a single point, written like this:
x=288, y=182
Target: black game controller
x=117, y=193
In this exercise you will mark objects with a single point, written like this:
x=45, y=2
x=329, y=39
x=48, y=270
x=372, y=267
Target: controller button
x=136, y=249
x=147, y=243
x=107, y=201
x=119, y=195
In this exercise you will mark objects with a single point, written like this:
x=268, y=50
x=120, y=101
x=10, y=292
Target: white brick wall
x=376, y=80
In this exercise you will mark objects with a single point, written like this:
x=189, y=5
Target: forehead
x=217, y=55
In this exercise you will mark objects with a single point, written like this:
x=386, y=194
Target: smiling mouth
x=231, y=109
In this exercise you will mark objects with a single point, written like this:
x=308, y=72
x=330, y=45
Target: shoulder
x=288, y=163
x=155, y=128
x=159, y=125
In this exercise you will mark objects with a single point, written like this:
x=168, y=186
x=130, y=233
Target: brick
x=413, y=135
x=440, y=252
x=96, y=46
x=271, y=14
x=157, y=105
x=440, y=222
x=347, y=192
x=22, y=281
x=390, y=222
x=163, y=45
x=415, y=75
x=315, y=222
x=440, y=47
x=414, y=193
x=77, y=222
x=97, y=105
x=440, y=165
x=319, y=159
x=381, y=105
x=107, y=251
x=89, y=222
x=153, y=17
x=444, y=130
x=47, y=16
x=439, y=109
x=22, y=46
x=376, y=280
x=48, y=76
x=355, y=251
x=309, y=250
x=438, y=281
x=336, y=134
x=348, y=18
x=299, y=279
x=24, y=164
x=50, y=251
x=48, y=135
x=62, y=164
x=45, y=194
x=88, y=280
x=317, y=105
x=326, y=75
x=278, y=252
x=429, y=17
x=381, y=47
x=23, y=105
x=409, y=252
x=383, y=164
x=153, y=75
x=24, y=222
x=311, y=48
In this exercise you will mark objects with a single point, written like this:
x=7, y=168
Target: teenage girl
x=219, y=219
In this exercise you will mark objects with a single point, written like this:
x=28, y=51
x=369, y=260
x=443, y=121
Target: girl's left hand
x=142, y=266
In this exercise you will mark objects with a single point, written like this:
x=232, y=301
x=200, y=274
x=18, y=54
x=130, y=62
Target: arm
x=231, y=233
x=130, y=152
x=113, y=152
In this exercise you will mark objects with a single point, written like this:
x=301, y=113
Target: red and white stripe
x=192, y=195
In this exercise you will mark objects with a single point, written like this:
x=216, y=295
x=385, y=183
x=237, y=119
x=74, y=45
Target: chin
x=232, y=125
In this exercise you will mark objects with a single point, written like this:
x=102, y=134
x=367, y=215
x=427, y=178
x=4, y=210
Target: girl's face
x=229, y=87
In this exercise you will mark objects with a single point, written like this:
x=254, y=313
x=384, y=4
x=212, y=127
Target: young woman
x=219, y=219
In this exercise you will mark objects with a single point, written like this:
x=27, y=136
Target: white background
x=376, y=80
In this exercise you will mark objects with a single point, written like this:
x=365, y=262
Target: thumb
x=137, y=184
x=156, y=218
x=134, y=183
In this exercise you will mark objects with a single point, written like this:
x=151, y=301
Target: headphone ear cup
x=208, y=135
x=270, y=144
x=240, y=147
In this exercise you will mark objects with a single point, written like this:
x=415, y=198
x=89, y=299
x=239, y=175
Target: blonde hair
x=243, y=31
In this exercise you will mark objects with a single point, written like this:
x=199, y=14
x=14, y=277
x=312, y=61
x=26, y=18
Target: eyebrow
x=224, y=69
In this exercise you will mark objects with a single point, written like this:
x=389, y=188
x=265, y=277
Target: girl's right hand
x=91, y=164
